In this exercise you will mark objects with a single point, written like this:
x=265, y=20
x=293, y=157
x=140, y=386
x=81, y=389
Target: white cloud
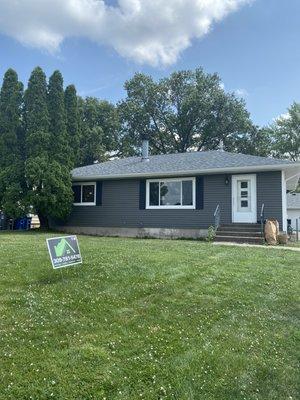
x=241, y=93
x=148, y=31
x=282, y=117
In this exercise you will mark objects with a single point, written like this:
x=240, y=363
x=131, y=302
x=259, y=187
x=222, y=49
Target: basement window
x=170, y=193
x=84, y=194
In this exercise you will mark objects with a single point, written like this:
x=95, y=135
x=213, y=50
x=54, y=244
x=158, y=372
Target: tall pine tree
x=72, y=122
x=37, y=142
x=60, y=151
x=12, y=180
x=59, y=144
x=49, y=180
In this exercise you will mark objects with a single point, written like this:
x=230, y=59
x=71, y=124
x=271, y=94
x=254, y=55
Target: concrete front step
x=242, y=224
x=240, y=234
x=234, y=228
x=238, y=239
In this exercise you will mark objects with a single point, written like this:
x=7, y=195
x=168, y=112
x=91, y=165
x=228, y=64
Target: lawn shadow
x=50, y=280
x=59, y=276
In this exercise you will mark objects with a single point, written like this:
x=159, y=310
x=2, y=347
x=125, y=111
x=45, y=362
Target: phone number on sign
x=64, y=259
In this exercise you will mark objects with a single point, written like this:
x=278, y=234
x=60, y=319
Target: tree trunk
x=44, y=222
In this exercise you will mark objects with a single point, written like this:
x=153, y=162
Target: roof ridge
x=185, y=154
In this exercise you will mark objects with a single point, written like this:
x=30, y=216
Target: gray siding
x=269, y=192
x=120, y=208
x=120, y=205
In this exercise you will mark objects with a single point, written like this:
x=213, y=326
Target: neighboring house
x=293, y=209
x=176, y=195
x=3, y=221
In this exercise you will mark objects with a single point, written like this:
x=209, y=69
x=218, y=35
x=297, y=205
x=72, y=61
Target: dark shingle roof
x=293, y=200
x=179, y=163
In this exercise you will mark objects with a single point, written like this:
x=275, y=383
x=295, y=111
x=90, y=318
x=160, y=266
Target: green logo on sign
x=63, y=248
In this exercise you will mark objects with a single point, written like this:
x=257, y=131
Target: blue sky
x=254, y=49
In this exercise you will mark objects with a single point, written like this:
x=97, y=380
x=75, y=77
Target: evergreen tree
x=37, y=141
x=36, y=116
x=59, y=144
x=49, y=181
x=72, y=123
x=12, y=181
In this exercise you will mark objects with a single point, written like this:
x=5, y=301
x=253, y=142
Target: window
x=77, y=193
x=170, y=193
x=244, y=198
x=154, y=194
x=84, y=194
x=88, y=193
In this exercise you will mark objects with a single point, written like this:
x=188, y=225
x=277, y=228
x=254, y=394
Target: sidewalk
x=260, y=246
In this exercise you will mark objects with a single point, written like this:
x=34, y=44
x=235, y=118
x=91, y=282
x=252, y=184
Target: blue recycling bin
x=22, y=224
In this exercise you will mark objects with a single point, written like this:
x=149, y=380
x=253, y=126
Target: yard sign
x=64, y=251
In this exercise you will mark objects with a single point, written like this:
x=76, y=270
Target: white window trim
x=181, y=207
x=93, y=203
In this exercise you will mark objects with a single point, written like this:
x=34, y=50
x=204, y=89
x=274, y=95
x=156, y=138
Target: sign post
x=64, y=251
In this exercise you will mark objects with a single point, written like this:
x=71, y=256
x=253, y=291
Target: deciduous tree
x=187, y=111
x=286, y=133
x=256, y=141
x=100, y=130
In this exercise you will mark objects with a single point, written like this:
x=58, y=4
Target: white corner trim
x=284, y=202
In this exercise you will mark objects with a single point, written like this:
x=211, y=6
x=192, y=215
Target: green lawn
x=148, y=319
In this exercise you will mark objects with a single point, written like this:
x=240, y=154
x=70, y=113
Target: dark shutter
x=142, y=199
x=199, y=192
x=99, y=193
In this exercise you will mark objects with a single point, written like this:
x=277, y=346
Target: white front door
x=244, y=198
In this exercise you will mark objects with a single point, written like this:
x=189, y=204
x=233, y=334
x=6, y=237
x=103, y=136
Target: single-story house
x=178, y=195
x=293, y=209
